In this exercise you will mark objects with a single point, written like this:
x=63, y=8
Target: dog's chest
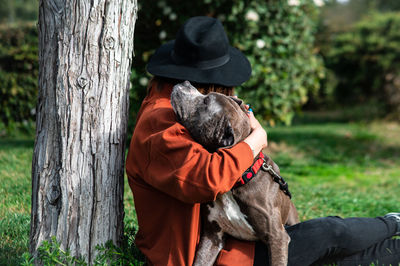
x=226, y=212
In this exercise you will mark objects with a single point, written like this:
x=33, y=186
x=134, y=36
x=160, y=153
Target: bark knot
x=82, y=81
x=109, y=42
x=53, y=194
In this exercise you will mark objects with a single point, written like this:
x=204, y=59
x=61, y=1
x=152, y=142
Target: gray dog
x=257, y=210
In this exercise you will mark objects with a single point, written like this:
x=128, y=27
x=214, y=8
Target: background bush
x=365, y=60
x=18, y=74
x=12, y=11
x=286, y=70
x=276, y=37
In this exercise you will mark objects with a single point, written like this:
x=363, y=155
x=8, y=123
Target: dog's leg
x=278, y=241
x=270, y=230
x=209, y=247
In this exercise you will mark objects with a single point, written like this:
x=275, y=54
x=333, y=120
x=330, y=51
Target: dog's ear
x=236, y=99
x=228, y=139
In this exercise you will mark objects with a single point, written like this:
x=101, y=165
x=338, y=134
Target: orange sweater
x=170, y=175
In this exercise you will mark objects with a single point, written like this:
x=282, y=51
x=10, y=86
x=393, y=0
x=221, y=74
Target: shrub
x=18, y=73
x=275, y=36
x=365, y=61
x=51, y=253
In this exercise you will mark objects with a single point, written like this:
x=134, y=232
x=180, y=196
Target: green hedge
x=276, y=37
x=366, y=61
x=18, y=74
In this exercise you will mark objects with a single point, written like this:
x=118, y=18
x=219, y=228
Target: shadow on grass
x=8, y=144
x=342, y=114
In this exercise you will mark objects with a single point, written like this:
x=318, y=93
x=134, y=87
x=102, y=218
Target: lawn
x=334, y=168
x=345, y=169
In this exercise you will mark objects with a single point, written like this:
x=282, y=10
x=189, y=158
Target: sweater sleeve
x=185, y=170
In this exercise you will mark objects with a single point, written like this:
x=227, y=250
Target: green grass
x=350, y=169
x=15, y=187
x=339, y=168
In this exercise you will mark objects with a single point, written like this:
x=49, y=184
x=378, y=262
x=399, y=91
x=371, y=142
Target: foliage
x=286, y=70
x=51, y=253
x=18, y=10
x=365, y=60
x=127, y=254
x=336, y=16
x=18, y=74
x=387, y=5
x=381, y=5
x=275, y=36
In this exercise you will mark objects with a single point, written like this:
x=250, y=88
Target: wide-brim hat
x=201, y=53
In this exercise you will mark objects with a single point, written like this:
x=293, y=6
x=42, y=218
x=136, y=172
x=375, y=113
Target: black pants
x=337, y=241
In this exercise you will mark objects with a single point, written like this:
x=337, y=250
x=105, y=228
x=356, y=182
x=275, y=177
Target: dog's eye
x=206, y=100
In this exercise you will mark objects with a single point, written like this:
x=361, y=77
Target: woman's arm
x=257, y=140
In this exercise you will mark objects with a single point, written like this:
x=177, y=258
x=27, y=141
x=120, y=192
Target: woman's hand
x=257, y=140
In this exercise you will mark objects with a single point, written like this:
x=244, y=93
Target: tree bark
x=85, y=55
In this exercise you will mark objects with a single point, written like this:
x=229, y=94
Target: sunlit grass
x=345, y=169
x=15, y=191
x=348, y=169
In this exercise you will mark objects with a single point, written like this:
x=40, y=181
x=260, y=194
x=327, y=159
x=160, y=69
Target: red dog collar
x=251, y=171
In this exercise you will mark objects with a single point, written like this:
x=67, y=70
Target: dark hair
x=203, y=88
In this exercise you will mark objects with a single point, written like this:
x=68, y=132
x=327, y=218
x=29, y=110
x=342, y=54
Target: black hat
x=201, y=53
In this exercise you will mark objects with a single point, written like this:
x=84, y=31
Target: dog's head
x=214, y=120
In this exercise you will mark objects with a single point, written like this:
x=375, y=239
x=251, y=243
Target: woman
x=170, y=174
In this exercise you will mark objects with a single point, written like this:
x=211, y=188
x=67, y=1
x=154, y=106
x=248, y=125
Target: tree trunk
x=85, y=55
